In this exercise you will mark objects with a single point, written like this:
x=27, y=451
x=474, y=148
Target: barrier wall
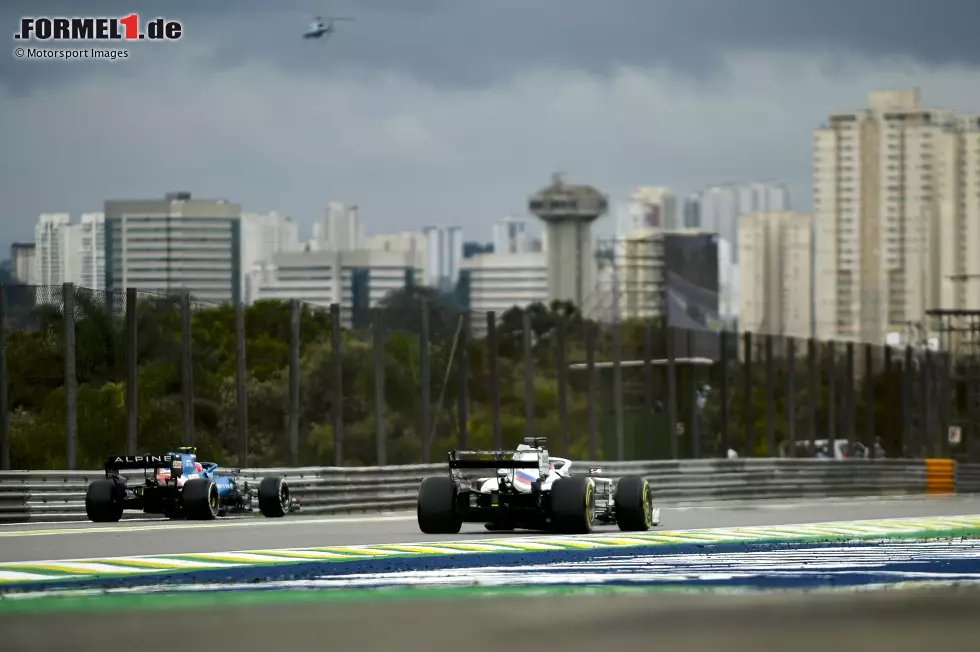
x=60, y=495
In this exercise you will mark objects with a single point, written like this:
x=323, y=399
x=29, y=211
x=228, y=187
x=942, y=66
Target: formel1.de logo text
x=126, y=28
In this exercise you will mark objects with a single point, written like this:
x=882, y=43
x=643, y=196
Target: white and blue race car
x=533, y=491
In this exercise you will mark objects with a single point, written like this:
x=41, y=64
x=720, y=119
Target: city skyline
x=404, y=126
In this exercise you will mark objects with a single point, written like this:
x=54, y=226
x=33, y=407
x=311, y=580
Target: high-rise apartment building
x=510, y=236
x=23, y=262
x=49, y=238
x=174, y=244
x=444, y=247
x=721, y=206
x=89, y=234
x=692, y=211
x=774, y=273
x=649, y=208
x=263, y=236
x=896, y=213
x=339, y=230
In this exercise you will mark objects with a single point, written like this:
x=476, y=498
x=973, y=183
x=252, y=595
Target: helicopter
x=319, y=28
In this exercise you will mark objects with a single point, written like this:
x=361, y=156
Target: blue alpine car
x=181, y=487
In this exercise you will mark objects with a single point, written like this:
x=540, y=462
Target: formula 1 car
x=181, y=487
x=531, y=491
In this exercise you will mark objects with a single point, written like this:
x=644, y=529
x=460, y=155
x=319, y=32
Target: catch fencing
x=85, y=374
x=60, y=495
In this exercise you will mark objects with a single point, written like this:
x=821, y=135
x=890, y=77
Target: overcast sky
x=454, y=111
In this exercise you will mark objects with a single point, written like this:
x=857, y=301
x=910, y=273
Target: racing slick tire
x=633, y=505
x=103, y=502
x=437, y=506
x=573, y=505
x=274, y=497
x=200, y=498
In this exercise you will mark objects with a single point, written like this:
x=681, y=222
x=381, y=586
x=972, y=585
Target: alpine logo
x=145, y=459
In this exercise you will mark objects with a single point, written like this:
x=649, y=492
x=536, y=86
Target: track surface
x=48, y=541
x=899, y=621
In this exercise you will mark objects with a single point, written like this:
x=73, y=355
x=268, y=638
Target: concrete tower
x=568, y=212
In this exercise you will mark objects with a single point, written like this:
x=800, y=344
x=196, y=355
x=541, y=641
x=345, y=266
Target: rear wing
x=118, y=463
x=490, y=460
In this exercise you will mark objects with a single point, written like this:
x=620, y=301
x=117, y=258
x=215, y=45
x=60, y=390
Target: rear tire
x=633, y=504
x=274, y=497
x=437, y=506
x=104, y=501
x=573, y=505
x=200, y=498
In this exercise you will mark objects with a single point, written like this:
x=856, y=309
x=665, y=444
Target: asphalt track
x=50, y=541
x=898, y=621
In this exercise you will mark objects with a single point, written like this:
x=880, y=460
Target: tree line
x=35, y=363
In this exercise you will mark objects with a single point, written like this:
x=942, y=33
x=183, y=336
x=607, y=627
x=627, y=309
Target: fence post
x=672, y=393
x=241, y=397
x=593, y=390
x=869, y=400
x=464, y=381
x=425, y=380
x=747, y=390
x=908, y=443
x=832, y=395
x=337, y=401
x=811, y=364
x=71, y=380
x=187, y=368
x=494, y=379
x=693, y=398
x=295, y=315
x=4, y=398
x=562, y=387
x=925, y=420
x=725, y=408
x=770, y=399
x=132, y=373
x=851, y=400
x=649, y=431
x=528, y=375
x=791, y=394
x=380, y=406
x=617, y=342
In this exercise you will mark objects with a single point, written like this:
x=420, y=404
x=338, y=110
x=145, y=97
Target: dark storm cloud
x=462, y=43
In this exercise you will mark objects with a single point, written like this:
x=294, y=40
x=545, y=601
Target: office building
x=357, y=280
x=23, y=263
x=774, y=274
x=174, y=244
x=568, y=212
x=896, y=214
x=499, y=282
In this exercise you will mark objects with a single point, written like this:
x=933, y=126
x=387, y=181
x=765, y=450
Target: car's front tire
x=633, y=504
x=274, y=497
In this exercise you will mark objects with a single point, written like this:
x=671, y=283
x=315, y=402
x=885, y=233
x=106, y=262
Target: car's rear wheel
x=104, y=501
x=573, y=505
x=633, y=504
x=437, y=506
x=200, y=498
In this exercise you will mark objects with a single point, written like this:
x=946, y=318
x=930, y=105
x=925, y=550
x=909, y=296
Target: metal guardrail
x=60, y=495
